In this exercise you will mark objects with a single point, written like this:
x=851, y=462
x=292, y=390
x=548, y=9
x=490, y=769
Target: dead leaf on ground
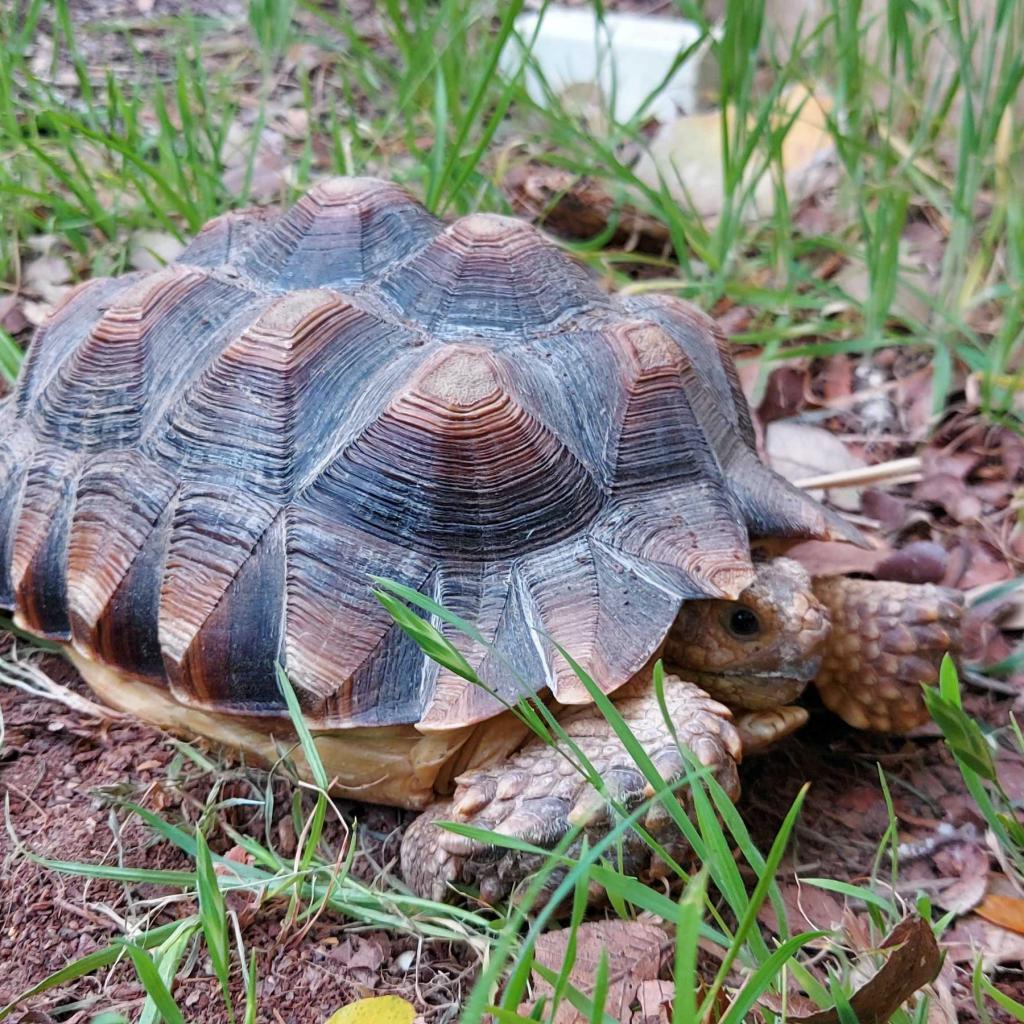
x=786, y=392
x=800, y=451
x=951, y=494
x=270, y=166
x=973, y=564
x=968, y=865
x=921, y=561
x=836, y=558
x=1005, y=911
x=633, y=949
x=686, y=155
x=973, y=936
x=914, y=400
x=808, y=908
x=576, y=207
x=151, y=250
x=913, y=298
x=914, y=962
x=12, y=316
x=655, y=1002
x=48, y=278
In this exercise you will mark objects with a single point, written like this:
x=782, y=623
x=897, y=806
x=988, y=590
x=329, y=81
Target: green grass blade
x=153, y=984
x=213, y=917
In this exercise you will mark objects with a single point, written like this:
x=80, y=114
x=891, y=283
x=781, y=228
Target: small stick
x=863, y=474
x=27, y=676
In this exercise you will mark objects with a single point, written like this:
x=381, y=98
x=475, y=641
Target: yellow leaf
x=379, y=1010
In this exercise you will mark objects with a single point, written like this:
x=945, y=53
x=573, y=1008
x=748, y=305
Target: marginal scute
x=606, y=616
x=14, y=459
x=688, y=541
x=119, y=500
x=231, y=662
x=348, y=661
x=39, y=551
x=509, y=662
x=213, y=534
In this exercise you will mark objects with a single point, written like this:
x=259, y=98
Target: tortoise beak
x=755, y=691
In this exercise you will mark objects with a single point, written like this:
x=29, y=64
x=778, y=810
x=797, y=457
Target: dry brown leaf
x=48, y=277
x=634, y=956
x=151, y=250
x=921, y=561
x=974, y=936
x=952, y=494
x=576, y=207
x=912, y=301
x=1005, y=911
x=968, y=865
x=807, y=908
x=835, y=558
x=655, y=999
x=12, y=317
x=914, y=962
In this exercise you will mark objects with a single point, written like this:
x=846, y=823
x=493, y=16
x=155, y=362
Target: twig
x=890, y=471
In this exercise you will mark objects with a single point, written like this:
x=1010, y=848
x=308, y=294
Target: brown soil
x=62, y=772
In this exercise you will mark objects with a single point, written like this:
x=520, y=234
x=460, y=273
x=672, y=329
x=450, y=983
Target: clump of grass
x=714, y=903
x=972, y=747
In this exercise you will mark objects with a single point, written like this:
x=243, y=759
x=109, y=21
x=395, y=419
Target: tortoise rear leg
x=537, y=795
x=887, y=640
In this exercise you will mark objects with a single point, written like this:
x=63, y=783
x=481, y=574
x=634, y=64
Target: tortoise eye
x=742, y=623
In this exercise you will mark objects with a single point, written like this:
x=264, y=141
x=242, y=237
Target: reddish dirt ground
x=61, y=772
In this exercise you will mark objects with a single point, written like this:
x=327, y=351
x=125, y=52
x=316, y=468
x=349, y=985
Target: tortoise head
x=759, y=651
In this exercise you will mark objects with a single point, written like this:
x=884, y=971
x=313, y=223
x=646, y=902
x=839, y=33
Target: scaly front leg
x=537, y=795
x=887, y=640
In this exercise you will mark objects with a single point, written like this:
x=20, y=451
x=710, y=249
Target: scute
x=201, y=469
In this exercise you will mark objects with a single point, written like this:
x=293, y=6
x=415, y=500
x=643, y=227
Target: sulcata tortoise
x=201, y=469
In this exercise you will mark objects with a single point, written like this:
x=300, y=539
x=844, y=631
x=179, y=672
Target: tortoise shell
x=202, y=467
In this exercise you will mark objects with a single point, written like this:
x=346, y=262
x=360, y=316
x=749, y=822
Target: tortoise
x=202, y=468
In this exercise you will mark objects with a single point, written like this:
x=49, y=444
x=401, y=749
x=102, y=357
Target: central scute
x=457, y=468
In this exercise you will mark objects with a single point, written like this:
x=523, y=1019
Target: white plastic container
x=626, y=56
